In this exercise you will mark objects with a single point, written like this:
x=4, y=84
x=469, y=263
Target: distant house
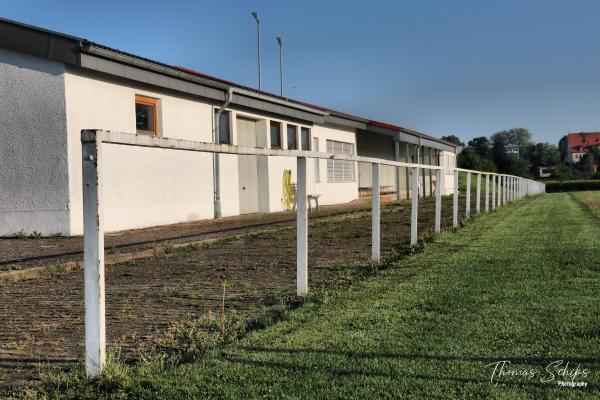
x=512, y=149
x=581, y=143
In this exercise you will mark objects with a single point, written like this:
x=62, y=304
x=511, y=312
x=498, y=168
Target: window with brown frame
x=275, y=135
x=304, y=138
x=146, y=118
x=292, y=137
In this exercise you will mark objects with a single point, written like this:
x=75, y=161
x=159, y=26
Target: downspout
x=216, y=168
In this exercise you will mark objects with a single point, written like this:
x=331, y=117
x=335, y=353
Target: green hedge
x=571, y=186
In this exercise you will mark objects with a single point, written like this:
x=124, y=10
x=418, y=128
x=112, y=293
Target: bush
x=572, y=186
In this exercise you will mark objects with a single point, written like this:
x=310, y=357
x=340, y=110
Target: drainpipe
x=216, y=169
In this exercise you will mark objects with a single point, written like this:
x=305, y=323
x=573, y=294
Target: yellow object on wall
x=288, y=190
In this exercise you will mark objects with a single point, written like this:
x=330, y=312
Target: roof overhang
x=413, y=137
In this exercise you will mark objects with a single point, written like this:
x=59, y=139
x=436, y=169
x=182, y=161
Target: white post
x=93, y=254
x=455, y=201
x=487, y=192
x=493, y=192
x=414, y=206
x=478, y=201
x=375, y=213
x=397, y=158
x=438, y=200
x=499, y=190
x=505, y=190
x=301, y=230
x=468, y=200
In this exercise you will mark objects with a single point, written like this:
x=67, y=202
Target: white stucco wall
x=447, y=160
x=147, y=187
x=142, y=187
x=33, y=142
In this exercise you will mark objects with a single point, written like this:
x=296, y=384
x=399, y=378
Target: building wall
x=447, y=160
x=142, y=186
x=33, y=142
x=146, y=187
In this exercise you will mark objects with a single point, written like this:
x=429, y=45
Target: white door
x=247, y=167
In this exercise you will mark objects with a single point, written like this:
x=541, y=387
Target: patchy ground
x=42, y=318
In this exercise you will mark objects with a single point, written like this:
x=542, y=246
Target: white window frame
x=340, y=171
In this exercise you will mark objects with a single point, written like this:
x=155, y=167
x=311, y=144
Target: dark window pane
x=292, y=137
x=224, y=129
x=144, y=117
x=275, y=135
x=305, y=138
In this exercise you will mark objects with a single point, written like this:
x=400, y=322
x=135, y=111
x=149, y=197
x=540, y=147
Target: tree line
x=513, y=152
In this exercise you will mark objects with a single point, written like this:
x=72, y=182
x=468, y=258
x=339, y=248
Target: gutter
x=91, y=48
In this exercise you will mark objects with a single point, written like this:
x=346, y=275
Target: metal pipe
x=255, y=15
x=280, y=41
x=216, y=165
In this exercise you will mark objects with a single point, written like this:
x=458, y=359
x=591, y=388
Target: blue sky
x=464, y=67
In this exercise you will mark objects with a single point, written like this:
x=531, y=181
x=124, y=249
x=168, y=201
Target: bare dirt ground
x=41, y=319
x=23, y=252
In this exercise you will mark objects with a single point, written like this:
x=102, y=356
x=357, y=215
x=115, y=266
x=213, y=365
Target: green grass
x=591, y=199
x=520, y=284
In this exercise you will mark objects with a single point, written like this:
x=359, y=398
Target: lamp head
x=255, y=15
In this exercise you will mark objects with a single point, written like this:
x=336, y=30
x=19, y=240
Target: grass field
x=519, y=285
x=590, y=199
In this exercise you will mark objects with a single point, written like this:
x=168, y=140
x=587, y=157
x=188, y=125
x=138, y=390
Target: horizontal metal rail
x=504, y=189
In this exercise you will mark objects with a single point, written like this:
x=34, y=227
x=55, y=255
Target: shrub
x=572, y=186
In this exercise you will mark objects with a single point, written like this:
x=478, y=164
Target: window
x=145, y=115
x=292, y=137
x=304, y=138
x=275, y=135
x=340, y=170
x=317, y=161
x=224, y=127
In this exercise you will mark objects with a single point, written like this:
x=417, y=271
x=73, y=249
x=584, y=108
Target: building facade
x=54, y=85
x=581, y=143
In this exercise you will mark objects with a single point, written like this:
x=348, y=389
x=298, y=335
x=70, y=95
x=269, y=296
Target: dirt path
x=42, y=318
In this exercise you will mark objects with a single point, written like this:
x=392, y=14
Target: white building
x=53, y=85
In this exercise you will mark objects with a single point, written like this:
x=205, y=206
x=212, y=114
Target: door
x=247, y=167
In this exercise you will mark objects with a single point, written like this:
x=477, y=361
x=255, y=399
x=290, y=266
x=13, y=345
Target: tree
x=499, y=155
x=562, y=147
x=520, y=137
x=453, y=139
x=543, y=155
x=470, y=159
x=481, y=145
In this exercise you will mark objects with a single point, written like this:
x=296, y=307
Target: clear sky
x=464, y=67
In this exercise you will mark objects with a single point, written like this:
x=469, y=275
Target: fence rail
x=504, y=188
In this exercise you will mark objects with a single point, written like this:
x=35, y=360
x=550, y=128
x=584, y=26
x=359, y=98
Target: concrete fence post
x=468, y=200
x=414, y=209
x=375, y=213
x=478, y=193
x=301, y=230
x=93, y=254
x=487, y=193
x=438, y=200
x=499, y=191
x=493, y=192
x=455, y=201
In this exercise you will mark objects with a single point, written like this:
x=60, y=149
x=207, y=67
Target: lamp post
x=257, y=19
x=280, y=41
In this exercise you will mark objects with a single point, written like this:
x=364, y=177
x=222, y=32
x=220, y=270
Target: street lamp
x=255, y=15
x=280, y=41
